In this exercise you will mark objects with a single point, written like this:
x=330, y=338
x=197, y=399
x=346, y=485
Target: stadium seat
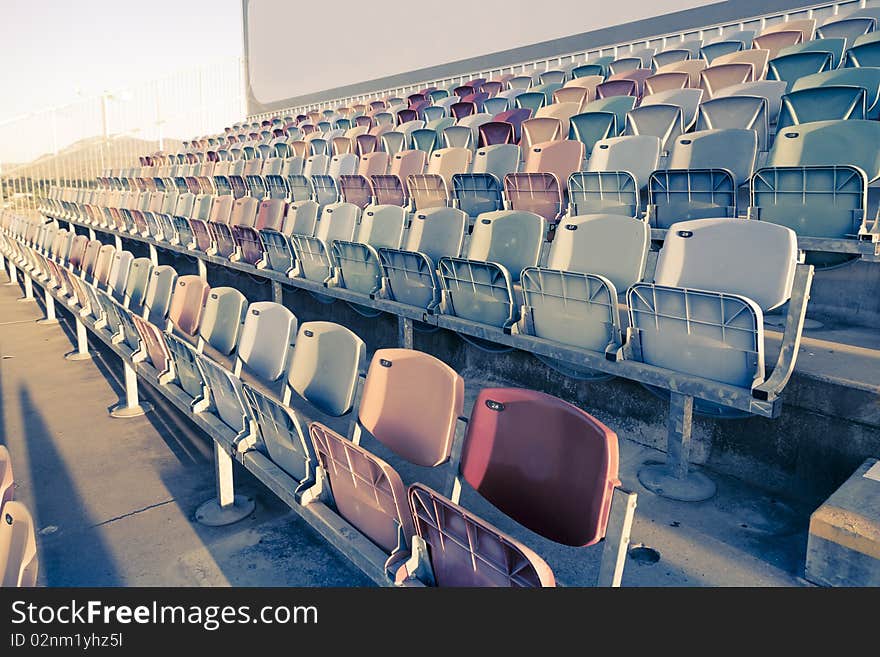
x=742, y=112
x=687, y=99
x=481, y=190
x=466, y=551
x=822, y=104
x=616, y=174
x=267, y=335
x=868, y=78
x=479, y=287
x=357, y=261
x=703, y=315
x=337, y=222
x=410, y=274
x=663, y=121
x=188, y=303
x=18, y=547
x=573, y=300
x=705, y=169
x=791, y=67
x=222, y=320
x=850, y=26
x=158, y=295
x=865, y=52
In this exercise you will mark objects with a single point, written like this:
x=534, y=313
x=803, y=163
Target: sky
x=56, y=51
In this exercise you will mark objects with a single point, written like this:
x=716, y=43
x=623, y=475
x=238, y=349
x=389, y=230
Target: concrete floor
x=114, y=499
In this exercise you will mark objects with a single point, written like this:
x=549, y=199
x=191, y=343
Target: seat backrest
x=18, y=547
x=662, y=121
x=446, y=162
x=828, y=143
x=667, y=81
x=636, y=154
x=792, y=66
x=692, y=67
x=822, y=104
x=159, y=291
x=437, y=232
x=561, y=111
x=119, y=271
x=755, y=259
x=866, y=77
x=757, y=57
x=222, y=318
x=544, y=462
x=497, y=159
x=719, y=76
x=467, y=551
x=382, y=226
x=325, y=366
x=458, y=136
x=268, y=333
x=776, y=41
x=410, y=403
x=687, y=99
x=560, y=158
x=509, y=238
x=731, y=149
x=188, y=303
x=407, y=163
x=138, y=279
x=747, y=112
x=367, y=492
x=609, y=245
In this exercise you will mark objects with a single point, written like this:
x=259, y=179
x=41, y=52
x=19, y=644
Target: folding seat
x=718, y=76
x=77, y=251
x=770, y=90
x=373, y=164
x=547, y=89
x=90, y=259
x=797, y=65
x=747, y=112
x=561, y=112
x=816, y=181
x=481, y=190
x=666, y=81
x=496, y=132
x=187, y=304
x=574, y=95
x=616, y=175
x=357, y=261
x=324, y=370
x=539, y=130
x=458, y=136
x=366, y=491
x=493, y=87
x=705, y=170
x=515, y=118
x=103, y=265
x=410, y=273
x=630, y=83
x=393, y=142
x=433, y=112
x=773, y=42
x=462, y=109
x=757, y=57
x=663, y=121
x=703, y=315
x=18, y=548
x=679, y=52
x=541, y=186
x=356, y=190
x=835, y=47
x=728, y=43
x=588, y=84
x=243, y=213
x=338, y=222
x=851, y=26
x=342, y=145
x=598, y=66
x=221, y=321
x=822, y=104
x=432, y=188
x=473, y=123
x=479, y=288
x=624, y=65
x=157, y=298
x=573, y=300
x=868, y=78
x=865, y=52
x=531, y=100
x=265, y=342
x=617, y=105
x=424, y=140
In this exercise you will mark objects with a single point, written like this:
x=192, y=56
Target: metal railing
x=72, y=144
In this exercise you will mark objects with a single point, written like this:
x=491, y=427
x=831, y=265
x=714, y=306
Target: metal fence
x=73, y=144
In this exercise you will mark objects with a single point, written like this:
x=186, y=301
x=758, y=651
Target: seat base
x=213, y=515
x=77, y=356
x=695, y=487
x=122, y=411
x=47, y=321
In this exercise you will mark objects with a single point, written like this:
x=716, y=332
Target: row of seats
x=244, y=362
x=266, y=223
x=502, y=276
x=18, y=547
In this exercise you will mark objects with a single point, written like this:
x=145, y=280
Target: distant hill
x=82, y=159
